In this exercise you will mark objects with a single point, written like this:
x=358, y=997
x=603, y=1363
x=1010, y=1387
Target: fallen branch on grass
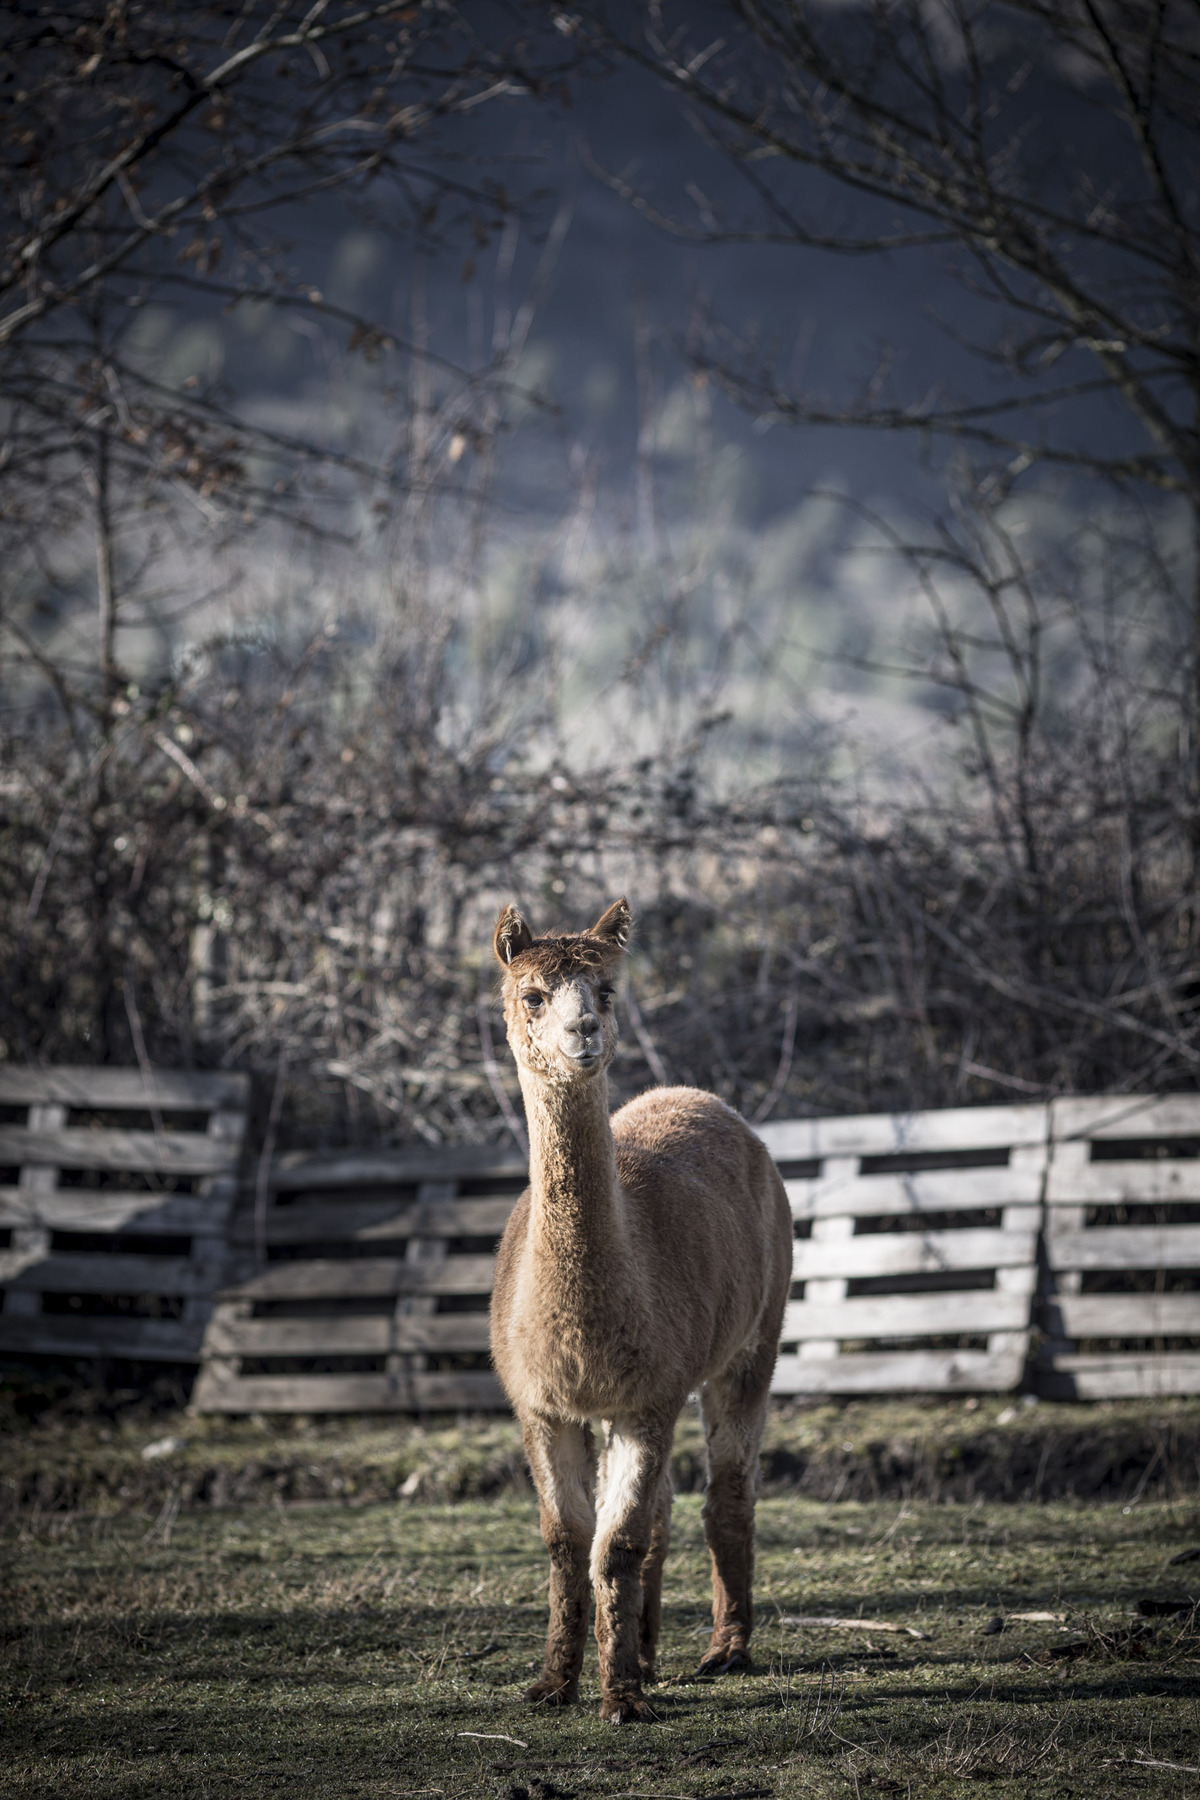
x=851, y=1624
x=1149, y=1762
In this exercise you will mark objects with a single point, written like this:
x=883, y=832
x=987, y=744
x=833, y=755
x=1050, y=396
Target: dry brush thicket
x=270, y=842
x=277, y=866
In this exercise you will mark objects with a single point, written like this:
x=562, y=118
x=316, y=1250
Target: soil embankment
x=953, y=1450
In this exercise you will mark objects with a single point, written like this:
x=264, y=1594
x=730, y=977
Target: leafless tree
x=177, y=156
x=1040, y=159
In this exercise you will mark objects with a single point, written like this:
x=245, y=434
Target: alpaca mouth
x=584, y=1059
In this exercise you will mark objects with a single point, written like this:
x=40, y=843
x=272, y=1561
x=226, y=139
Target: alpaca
x=650, y=1257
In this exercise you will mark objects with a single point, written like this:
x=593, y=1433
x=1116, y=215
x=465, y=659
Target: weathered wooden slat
x=80, y=1273
x=1124, y=1247
x=930, y=1190
x=134, y=1340
x=349, y=1336
x=1119, y=1377
x=908, y=1315
x=1129, y=1315
x=884, y=1134
x=1141, y=1183
x=1126, y=1116
x=350, y=1393
x=360, y=1221
x=86, y=1209
x=335, y=1279
x=911, y=1253
x=381, y=1168
x=908, y=1371
x=77, y=1147
x=112, y=1088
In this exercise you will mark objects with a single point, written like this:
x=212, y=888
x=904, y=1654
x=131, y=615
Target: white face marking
x=567, y=1026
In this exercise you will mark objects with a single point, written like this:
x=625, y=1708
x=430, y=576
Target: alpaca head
x=558, y=993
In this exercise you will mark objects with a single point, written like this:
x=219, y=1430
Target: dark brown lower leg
x=734, y=1408
x=652, y=1580
x=563, y=1460
x=566, y=1636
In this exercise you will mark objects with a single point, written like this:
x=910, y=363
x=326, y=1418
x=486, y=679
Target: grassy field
x=381, y=1649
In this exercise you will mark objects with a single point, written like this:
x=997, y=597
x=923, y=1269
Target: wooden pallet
x=373, y=1297
x=115, y=1196
x=1122, y=1234
x=916, y=1249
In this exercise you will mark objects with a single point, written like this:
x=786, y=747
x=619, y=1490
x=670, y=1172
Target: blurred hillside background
x=741, y=455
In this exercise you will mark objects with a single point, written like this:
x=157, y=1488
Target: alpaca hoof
x=552, y=1691
x=725, y=1662
x=629, y=1709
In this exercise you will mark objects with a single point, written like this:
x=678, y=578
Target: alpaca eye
x=605, y=996
x=532, y=1001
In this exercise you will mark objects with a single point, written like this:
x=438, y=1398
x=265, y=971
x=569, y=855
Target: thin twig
x=139, y=1045
x=787, y=1051
x=262, y=1183
x=492, y=1070
x=648, y=1047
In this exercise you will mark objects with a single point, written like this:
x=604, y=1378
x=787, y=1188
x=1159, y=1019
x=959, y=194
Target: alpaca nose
x=581, y=1038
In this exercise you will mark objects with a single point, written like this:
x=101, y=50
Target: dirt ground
x=157, y=1645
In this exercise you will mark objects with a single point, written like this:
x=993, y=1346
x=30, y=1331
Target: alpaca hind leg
x=634, y=1460
x=734, y=1406
x=562, y=1456
x=652, y=1578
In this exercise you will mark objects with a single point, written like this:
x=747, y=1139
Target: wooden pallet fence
x=115, y=1197
x=1121, y=1312
x=374, y=1292
x=916, y=1249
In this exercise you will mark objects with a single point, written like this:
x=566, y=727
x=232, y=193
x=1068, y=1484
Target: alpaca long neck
x=578, y=1222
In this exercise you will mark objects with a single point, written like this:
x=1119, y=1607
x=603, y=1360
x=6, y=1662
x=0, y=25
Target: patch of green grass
x=381, y=1650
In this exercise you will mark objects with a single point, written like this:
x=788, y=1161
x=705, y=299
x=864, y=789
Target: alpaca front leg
x=632, y=1471
x=562, y=1456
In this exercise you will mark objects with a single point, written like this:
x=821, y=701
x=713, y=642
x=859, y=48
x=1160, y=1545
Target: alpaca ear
x=616, y=924
x=512, y=935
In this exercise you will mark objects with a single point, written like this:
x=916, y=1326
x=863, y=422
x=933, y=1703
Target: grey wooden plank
x=908, y=1315
x=362, y=1220
x=1123, y=1377
x=134, y=1340
x=1127, y=1116
x=378, y=1168
x=1128, y=1315
x=82, y=1273
x=344, y=1337
x=453, y=1393
x=1124, y=1247
x=78, y=1147
x=444, y=1332
x=882, y=1134
x=909, y=1371
x=87, y=1209
x=912, y=1253
x=1141, y=1183
x=930, y=1190
x=350, y=1393
x=108, y=1088
x=298, y=1337
x=217, y=1392
x=334, y=1278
